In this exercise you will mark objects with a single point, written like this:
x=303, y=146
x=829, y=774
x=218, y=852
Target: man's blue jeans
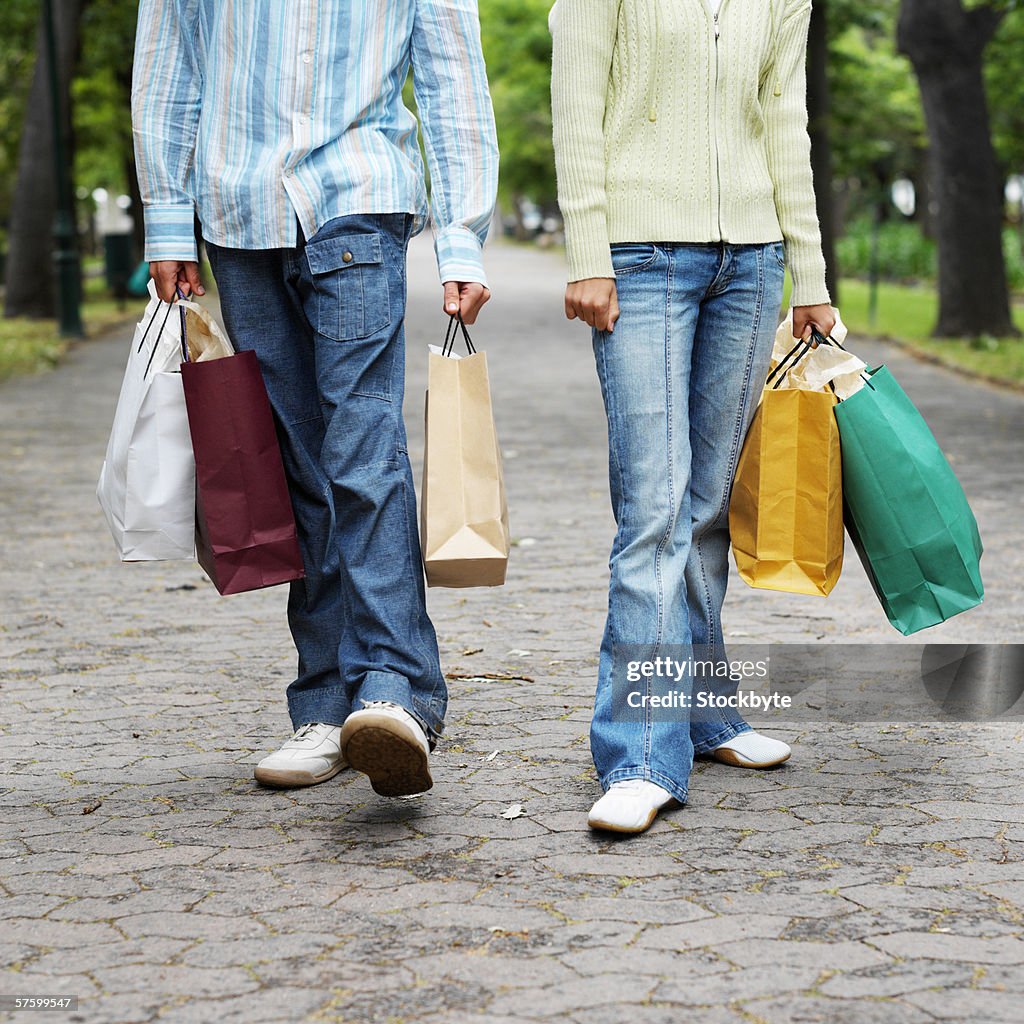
x=325, y=320
x=681, y=375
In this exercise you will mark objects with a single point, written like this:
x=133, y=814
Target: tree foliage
x=17, y=61
x=876, y=107
x=517, y=48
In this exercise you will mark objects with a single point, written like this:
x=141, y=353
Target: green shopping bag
x=904, y=508
x=138, y=283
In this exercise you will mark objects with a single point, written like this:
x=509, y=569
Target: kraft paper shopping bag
x=464, y=520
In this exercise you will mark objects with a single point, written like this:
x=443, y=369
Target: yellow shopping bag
x=786, y=509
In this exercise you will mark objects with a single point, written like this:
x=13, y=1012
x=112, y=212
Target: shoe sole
x=381, y=749
x=738, y=761
x=607, y=826
x=283, y=778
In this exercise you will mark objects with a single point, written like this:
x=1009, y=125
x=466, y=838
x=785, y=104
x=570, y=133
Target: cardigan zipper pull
x=718, y=30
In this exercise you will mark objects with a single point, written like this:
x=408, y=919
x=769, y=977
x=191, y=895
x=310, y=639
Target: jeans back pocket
x=351, y=282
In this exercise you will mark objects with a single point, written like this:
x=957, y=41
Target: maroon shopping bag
x=245, y=527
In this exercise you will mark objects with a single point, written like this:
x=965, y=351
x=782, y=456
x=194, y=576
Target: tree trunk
x=924, y=213
x=945, y=43
x=30, y=277
x=819, y=108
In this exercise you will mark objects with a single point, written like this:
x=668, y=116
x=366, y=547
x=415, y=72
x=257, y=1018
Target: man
x=282, y=126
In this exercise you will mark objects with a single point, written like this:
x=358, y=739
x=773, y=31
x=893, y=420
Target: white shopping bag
x=147, y=483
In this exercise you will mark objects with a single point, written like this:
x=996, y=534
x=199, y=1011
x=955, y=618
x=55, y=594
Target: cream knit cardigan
x=671, y=125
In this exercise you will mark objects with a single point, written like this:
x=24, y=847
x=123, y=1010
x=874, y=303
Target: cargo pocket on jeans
x=351, y=284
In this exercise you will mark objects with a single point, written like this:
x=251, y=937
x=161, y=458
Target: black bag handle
x=455, y=320
x=156, y=340
x=184, y=339
x=159, y=334
x=793, y=356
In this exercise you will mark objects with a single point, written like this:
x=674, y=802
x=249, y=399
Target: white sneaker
x=388, y=745
x=312, y=755
x=630, y=806
x=752, y=750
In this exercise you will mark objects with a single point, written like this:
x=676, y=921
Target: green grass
x=908, y=314
x=29, y=346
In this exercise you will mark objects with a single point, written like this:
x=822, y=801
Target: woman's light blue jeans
x=681, y=375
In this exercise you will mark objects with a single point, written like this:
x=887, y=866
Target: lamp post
x=66, y=252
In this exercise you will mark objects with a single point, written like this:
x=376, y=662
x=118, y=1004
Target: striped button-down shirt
x=261, y=115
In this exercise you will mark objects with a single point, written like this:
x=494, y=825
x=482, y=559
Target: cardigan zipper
x=714, y=130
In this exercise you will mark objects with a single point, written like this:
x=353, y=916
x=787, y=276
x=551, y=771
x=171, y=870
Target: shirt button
x=346, y=257
x=303, y=119
x=307, y=58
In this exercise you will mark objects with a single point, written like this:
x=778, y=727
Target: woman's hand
x=807, y=317
x=593, y=301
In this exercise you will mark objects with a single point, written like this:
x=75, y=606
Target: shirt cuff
x=170, y=233
x=459, y=255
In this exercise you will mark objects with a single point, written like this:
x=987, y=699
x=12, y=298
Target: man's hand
x=465, y=297
x=807, y=317
x=171, y=275
x=595, y=301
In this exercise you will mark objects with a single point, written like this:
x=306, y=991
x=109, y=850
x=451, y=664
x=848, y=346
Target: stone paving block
x=845, y=956
x=716, y=932
x=58, y=934
x=176, y=980
x=629, y=906
x=147, y=950
x=896, y=979
x=969, y=1004
x=641, y=960
x=656, y=1014
x=1007, y=949
x=195, y=925
x=744, y=982
x=133, y=1008
x=603, y=990
x=817, y=1010
x=502, y=972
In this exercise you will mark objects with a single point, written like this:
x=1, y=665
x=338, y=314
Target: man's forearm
x=165, y=118
x=450, y=82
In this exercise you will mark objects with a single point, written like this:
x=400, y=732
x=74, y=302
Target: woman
x=683, y=162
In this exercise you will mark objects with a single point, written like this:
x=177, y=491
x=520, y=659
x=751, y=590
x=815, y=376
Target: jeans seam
x=708, y=602
x=744, y=389
x=673, y=510
x=609, y=395
x=673, y=515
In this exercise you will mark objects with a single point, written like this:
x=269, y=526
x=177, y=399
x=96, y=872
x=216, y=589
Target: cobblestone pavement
x=876, y=877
